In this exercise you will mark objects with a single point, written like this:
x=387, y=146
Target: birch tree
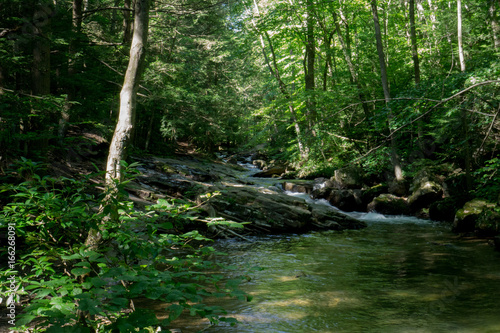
x=127, y=114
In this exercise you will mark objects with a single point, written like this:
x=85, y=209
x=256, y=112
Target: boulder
x=389, y=204
x=444, y=210
x=274, y=171
x=232, y=159
x=261, y=164
x=322, y=193
x=424, y=194
x=371, y=193
x=326, y=217
x=466, y=218
x=349, y=177
x=488, y=223
x=398, y=188
x=347, y=200
x=320, y=183
x=299, y=188
x=276, y=212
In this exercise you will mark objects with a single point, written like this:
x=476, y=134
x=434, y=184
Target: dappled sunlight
x=420, y=279
x=290, y=302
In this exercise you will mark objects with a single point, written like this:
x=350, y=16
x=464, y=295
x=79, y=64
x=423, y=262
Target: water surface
x=400, y=274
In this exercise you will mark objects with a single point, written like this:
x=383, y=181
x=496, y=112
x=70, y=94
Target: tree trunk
x=414, y=45
x=387, y=95
x=127, y=22
x=463, y=112
x=40, y=73
x=350, y=65
x=495, y=26
x=274, y=70
x=416, y=71
x=328, y=60
x=459, y=34
x=309, y=74
x=72, y=50
x=126, y=117
x=128, y=94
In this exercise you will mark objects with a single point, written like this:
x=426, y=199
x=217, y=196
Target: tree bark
x=128, y=94
x=459, y=34
x=76, y=26
x=309, y=74
x=416, y=71
x=414, y=45
x=463, y=112
x=40, y=72
x=126, y=117
x=495, y=25
x=127, y=23
x=387, y=95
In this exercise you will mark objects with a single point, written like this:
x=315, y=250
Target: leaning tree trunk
x=126, y=118
x=350, y=64
x=274, y=70
x=128, y=94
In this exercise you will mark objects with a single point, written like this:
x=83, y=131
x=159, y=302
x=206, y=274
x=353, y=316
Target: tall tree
x=414, y=45
x=463, y=112
x=127, y=113
x=387, y=95
x=126, y=117
x=310, y=55
x=76, y=26
x=495, y=25
x=275, y=72
x=459, y=35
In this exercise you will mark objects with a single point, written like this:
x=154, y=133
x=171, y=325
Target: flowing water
x=400, y=274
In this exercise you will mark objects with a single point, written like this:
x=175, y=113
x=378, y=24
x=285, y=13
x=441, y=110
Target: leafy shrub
x=488, y=180
x=72, y=288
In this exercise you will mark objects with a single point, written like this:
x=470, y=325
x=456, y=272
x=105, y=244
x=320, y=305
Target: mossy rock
x=488, y=223
x=351, y=177
x=389, y=204
x=466, y=218
x=371, y=193
x=425, y=194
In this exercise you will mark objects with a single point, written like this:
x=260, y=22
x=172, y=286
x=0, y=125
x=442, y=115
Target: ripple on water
x=400, y=274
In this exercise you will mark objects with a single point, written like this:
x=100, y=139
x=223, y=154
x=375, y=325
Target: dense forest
x=384, y=87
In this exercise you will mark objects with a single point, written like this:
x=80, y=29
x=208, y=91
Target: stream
x=400, y=274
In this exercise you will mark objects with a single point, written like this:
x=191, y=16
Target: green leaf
x=174, y=311
x=80, y=271
x=24, y=320
x=44, y=292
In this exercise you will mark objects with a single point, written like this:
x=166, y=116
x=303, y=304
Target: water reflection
x=397, y=275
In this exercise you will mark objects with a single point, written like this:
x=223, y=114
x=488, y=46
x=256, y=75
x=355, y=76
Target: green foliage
x=142, y=256
x=488, y=180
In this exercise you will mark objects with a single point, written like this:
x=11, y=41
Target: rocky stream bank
x=260, y=196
